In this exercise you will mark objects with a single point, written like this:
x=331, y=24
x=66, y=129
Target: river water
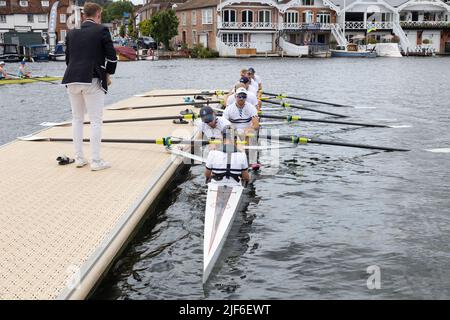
x=330, y=223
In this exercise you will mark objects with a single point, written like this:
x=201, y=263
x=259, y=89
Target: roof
x=34, y=6
x=197, y=4
x=159, y=4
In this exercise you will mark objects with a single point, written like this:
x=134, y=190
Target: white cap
x=2, y=62
x=241, y=90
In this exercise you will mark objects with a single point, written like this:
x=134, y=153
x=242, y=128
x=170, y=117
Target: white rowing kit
x=208, y=131
x=240, y=117
x=251, y=98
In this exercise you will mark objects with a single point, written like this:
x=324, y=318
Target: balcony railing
x=425, y=24
x=305, y=26
x=274, y=26
x=367, y=25
x=247, y=25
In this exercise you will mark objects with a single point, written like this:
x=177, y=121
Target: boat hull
x=20, y=81
x=223, y=201
x=353, y=54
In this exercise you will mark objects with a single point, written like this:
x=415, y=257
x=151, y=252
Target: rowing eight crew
x=240, y=116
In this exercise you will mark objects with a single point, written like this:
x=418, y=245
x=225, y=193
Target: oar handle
x=207, y=102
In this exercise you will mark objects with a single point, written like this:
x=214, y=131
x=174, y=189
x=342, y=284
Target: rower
x=243, y=83
x=255, y=85
x=3, y=74
x=256, y=80
x=227, y=162
x=210, y=124
x=242, y=115
x=23, y=72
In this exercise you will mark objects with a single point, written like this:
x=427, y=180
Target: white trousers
x=91, y=99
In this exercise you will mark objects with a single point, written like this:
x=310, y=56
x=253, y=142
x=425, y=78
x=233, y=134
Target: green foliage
x=115, y=10
x=426, y=41
x=199, y=51
x=144, y=27
x=372, y=41
x=164, y=26
x=122, y=31
x=132, y=32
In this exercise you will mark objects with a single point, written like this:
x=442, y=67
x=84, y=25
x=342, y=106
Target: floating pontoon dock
x=60, y=226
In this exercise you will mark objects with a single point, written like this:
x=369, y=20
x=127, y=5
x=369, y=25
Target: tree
x=164, y=26
x=115, y=10
x=144, y=27
x=122, y=31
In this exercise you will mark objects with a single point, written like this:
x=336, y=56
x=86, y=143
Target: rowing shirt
x=251, y=98
x=221, y=124
x=217, y=162
x=253, y=87
x=240, y=117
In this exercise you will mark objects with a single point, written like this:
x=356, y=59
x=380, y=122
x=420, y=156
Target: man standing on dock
x=87, y=80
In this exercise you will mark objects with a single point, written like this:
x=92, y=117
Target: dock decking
x=62, y=226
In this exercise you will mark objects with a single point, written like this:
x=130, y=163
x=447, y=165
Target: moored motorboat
x=351, y=50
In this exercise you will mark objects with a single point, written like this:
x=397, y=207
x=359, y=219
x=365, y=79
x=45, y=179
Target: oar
x=281, y=96
x=32, y=78
x=189, y=116
x=206, y=93
x=295, y=106
x=298, y=118
x=305, y=140
x=165, y=141
x=207, y=102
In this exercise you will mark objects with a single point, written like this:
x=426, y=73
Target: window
x=194, y=18
x=291, y=17
x=63, y=34
x=307, y=16
x=23, y=3
x=183, y=18
x=194, y=37
x=232, y=37
x=62, y=18
x=229, y=15
x=207, y=16
x=30, y=17
x=247, y=16
x=264, y=16
x=323, y=17
x=45, y=3
x=2, y=18
x=42, y=18
x=2, y=3
x=308, y=2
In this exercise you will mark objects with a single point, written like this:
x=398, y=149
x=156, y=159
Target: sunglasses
x=242, y=96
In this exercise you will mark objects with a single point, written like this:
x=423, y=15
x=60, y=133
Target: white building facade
x=23, y=16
